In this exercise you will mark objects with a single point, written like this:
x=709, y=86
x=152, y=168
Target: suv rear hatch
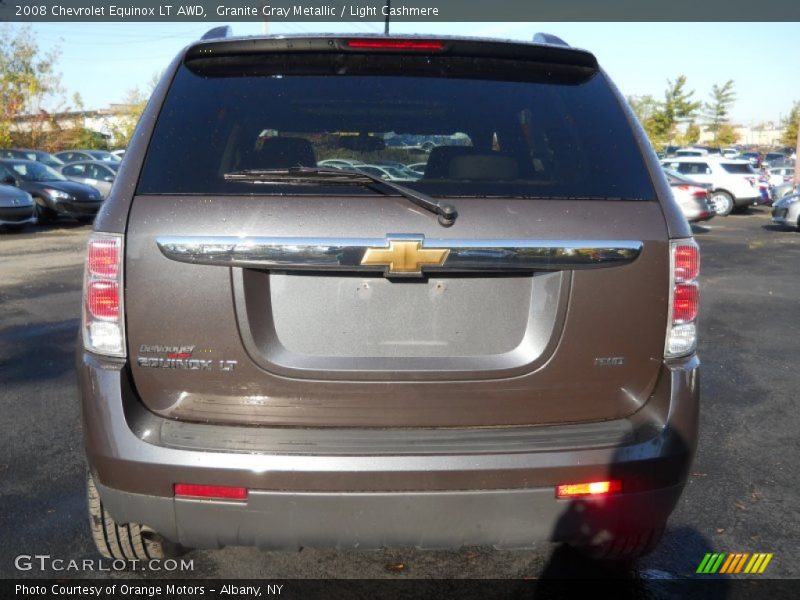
x=302, y=302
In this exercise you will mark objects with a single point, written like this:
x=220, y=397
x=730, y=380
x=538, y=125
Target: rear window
x=738, y=168
x=476, y=126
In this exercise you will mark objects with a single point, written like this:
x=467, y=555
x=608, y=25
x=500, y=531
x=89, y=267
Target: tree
x=726, y=135
x=790, y=123
x=650, y=113
x=27, y=80
x=126, y=119
x=678, y=104
x=692, y=134
x=660, y=118
x=716, y=112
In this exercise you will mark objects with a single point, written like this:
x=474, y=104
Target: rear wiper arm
x=301, y=175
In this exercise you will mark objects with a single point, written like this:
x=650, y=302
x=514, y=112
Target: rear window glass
x=738, y=168
x=416, y=120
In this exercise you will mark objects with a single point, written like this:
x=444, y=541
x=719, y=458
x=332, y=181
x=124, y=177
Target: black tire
x=625, y=548
x=87, y=220
x=129, y=541
x=721, y=203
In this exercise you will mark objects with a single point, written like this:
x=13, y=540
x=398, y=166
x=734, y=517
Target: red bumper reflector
x=390, y=44
x=594, y=488
x=220, y=492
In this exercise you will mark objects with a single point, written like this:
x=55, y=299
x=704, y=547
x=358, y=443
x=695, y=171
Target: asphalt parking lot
x=743, y=496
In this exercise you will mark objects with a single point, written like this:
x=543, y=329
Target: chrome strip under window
x=398, y=254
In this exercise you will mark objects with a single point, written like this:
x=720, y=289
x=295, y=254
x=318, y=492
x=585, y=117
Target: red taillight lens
x=102, y=257
x=102, y=299
x=687, y=263
x=390, y=44
x=220, y=492
x=685, y=303
x=594, y=488
x=103, y=325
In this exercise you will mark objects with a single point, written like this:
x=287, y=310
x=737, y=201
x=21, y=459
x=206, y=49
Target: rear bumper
x=748, y=199
x=481, y=490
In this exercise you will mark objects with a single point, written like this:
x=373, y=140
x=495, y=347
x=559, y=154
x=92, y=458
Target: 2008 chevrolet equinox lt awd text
x=280, y=354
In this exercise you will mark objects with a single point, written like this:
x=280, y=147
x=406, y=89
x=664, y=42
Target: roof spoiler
x=218, y=33
x=549, y=38
x=552, y=52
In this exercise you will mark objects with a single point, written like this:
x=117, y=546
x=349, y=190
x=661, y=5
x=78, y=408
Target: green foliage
x=133, y=106
x=27, y=78
x=661, y=118
x=790, y=123
x=692, y=135
x=716, y=112
x=726, y=135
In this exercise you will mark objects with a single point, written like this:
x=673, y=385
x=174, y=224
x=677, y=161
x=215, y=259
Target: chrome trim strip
x=345, y=254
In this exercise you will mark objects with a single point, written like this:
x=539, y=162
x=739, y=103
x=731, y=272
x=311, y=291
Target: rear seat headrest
x=467, y=163
x=477, y=167
x=282, y=153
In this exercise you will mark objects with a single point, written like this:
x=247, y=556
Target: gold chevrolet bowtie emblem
x=405, y=257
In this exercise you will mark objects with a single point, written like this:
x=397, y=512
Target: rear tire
x=625, y=548
x=721, y=203
x=129, y=541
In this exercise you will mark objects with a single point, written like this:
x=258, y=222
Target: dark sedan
x=53, y=193
x=71, y=156
x=16, y=207
x=38, y=155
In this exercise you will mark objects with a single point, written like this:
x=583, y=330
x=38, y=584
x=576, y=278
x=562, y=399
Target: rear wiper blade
x=306, y=175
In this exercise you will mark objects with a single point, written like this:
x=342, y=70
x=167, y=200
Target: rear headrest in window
x=284, y=152
x=477, y=167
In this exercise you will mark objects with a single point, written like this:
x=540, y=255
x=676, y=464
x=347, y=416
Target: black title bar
x=399, y=10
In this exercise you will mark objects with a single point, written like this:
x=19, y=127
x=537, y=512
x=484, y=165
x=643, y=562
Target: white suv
x=734, y=182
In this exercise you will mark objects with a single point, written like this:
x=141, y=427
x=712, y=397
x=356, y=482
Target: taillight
x=103, y=315
x=684, y=298
x=594, y=488
x=395, y=44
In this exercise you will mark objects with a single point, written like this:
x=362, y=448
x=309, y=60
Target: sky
x=102, y=61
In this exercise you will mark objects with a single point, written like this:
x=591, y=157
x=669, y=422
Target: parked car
x=96, y=173
x=388, y=173
x=734, y=183
x=404, y=170
x=730, y=152
x=53, y=193
x=418, y=168
x=119, y=153
x=280, y=355
x=786, y=211
x=691, y=196
x=754, y=158
x=340, y=163
x=37, y=155
x=71, y=156
x=681, y=152
x=776, y=159
x=17, y=208
x=779, y=175
x=782, y=190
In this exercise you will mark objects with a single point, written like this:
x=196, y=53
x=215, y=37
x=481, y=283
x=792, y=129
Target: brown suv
x=292, y=339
